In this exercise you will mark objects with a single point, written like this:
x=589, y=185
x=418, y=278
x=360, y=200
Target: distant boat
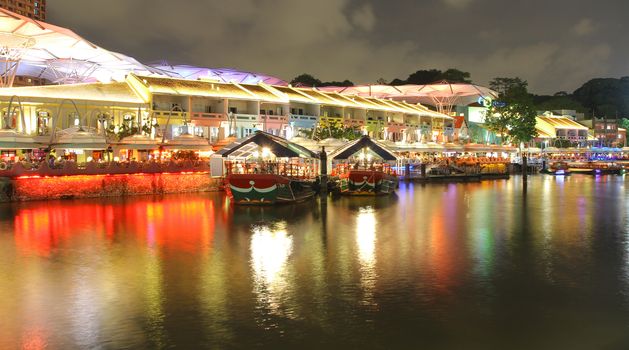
x=558, y=169
x=596, y=168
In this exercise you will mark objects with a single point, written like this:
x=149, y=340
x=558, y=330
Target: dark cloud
x=555, y=45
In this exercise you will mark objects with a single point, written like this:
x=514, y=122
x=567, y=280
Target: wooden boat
x=363, y=168
x=264, y=169
x=596, y=168
x=367, y=183
x=557, y=169
x=266, y=189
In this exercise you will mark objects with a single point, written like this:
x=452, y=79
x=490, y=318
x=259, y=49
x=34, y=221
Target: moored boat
x=264, y=169
x=364, y=168
x=596, y=168
x=557, y=168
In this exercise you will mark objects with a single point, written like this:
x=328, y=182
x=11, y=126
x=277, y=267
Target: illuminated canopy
x=278, y=146
x=364, y=142
x=61, y=56
x=225, y=75
x=442, y=95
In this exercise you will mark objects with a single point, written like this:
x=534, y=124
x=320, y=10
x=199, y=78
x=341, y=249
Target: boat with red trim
x=265, y=169
x=364, y=167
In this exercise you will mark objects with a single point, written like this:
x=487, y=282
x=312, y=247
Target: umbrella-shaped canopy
x=78, y=138
x=226, y=75
x=138, y=142
x=443, y=95
x=187, y=142
x=364, y=142
x=11, y=139
x=60, y=55
x=280, y=147
x=379, y=91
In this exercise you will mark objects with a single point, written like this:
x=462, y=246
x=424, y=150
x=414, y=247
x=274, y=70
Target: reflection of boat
x=265, y=169
x=596, y=168
x=558, y=168
x=364, y=168
x=367, y=182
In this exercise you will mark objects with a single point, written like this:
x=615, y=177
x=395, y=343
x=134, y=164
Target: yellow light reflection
x=366, y=244
x=270, y=249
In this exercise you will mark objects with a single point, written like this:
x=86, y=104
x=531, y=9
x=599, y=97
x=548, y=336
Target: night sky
x=555, y=45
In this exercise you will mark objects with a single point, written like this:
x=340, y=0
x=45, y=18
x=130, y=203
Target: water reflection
x=366, y=244
x=270, y=250
x=434, y=267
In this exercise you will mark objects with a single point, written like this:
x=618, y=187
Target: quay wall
x=86, y=186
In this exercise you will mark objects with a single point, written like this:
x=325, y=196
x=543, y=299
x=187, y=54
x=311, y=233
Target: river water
x=441, y=266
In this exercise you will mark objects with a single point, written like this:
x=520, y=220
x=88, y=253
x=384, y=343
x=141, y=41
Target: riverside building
x=161, y=110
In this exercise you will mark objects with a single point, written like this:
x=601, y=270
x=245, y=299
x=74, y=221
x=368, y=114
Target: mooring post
x=323, y=178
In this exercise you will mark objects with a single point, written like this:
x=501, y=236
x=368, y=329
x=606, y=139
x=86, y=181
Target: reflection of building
x=35, y=9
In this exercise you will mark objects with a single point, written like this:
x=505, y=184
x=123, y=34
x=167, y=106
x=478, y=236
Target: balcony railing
x=301, y=117
x=209, y=116
x=246, y=117
x=274, y=118
x=175, y=114
x=354, y=122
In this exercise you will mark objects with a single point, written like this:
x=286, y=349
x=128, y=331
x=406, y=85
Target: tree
x=509, y=87
x=305, y=80
x=557, y=102
x=334, y=129
x=456, y=76
x=514, y=117
x=337, y=83
x=605, y=97
x=311, y=81
x=381, y=81
x=428, y=76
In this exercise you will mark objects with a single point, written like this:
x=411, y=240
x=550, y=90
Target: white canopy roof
x=58, y=54
x=225, y=75
x=440, y=94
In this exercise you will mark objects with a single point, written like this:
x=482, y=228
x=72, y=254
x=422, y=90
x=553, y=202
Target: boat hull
x=266, y=189
x=558, y=172
x=367, y=183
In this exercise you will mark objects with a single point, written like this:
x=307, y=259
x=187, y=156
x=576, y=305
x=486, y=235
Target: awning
x=187, y=142
x=280, y=147
x=78, y=138
x=137, y=142
x=21, y=145
x=11, y=139
x=81, y=146
x=364, y=142
x=421, y=147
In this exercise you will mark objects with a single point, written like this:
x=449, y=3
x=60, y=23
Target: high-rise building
x=35, y=9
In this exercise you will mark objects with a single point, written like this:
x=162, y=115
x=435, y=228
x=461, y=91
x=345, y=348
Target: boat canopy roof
x=280, y=147
x=363, y=142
